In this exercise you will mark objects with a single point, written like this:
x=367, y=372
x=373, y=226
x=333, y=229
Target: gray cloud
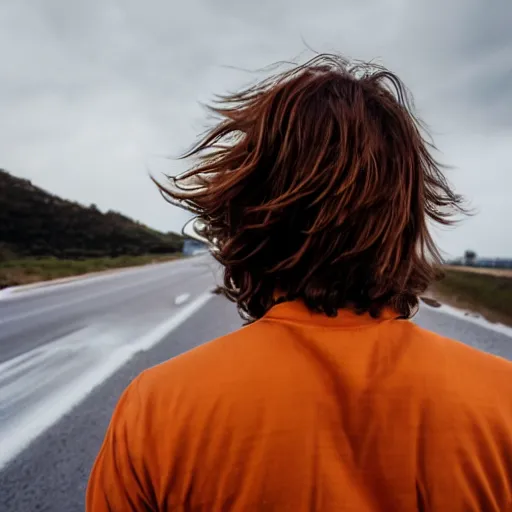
x=92, y=92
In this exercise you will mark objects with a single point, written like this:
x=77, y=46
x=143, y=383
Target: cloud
x=93, y=92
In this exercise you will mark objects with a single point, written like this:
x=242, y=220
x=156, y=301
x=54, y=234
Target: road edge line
x=19, y=437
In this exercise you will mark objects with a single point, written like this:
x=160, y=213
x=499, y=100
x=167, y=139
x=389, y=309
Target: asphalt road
x=67, y=351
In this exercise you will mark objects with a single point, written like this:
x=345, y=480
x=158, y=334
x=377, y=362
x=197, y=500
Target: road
x=68, y=350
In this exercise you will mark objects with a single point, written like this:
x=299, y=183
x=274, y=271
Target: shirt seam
x=313, y=325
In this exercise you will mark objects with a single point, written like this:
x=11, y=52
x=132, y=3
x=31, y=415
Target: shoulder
x=232, y=363
x=465, y=419
x=450, y=354
x=457, y=377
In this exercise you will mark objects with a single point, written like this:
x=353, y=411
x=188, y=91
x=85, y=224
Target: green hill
x=35, y=223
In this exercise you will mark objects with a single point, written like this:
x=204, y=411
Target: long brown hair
x=317, y=184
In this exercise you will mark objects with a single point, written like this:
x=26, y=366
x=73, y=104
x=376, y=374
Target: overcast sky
x=93, y=93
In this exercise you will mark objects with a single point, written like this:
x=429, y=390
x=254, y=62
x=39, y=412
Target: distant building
x=192, y=247
x=494, y=262
x=483, y=262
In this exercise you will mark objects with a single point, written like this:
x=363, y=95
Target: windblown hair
x=317, y=184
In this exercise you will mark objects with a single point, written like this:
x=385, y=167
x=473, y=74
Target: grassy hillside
x=488, y=294
x=35, y=223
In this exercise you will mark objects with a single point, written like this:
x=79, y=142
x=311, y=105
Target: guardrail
x=484, y=263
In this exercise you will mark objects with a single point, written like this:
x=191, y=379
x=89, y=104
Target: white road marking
x=6, y=292
x=180, y=299
x=39, y=387
x=45, y=287
x=470, y=317
x=77, y=300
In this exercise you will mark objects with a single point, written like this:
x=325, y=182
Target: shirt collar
x=296, y=311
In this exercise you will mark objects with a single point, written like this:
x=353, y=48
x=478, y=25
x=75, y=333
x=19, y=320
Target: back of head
x=317, y=184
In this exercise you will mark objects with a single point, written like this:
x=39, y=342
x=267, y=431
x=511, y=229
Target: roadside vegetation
x=487, y=293
x=43, y=236
x=36, y=223
x=31, y=270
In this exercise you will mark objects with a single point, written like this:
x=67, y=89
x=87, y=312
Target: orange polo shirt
x=301, y=412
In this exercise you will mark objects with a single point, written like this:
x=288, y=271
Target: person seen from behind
x=316, y=190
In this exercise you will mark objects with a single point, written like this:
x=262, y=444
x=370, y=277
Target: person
x=316, y=190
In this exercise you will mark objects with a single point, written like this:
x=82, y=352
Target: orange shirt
x=301, y=412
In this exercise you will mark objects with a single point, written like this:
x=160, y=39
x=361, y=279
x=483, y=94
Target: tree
x=469, y=257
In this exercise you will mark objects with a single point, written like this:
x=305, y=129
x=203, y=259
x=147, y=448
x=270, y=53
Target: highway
x=67, y=351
